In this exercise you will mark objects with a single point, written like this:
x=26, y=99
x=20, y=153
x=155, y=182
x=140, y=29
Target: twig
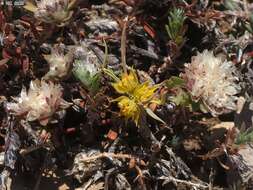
x=119, y=156
x=107, y=155
x=140, y=177
x=188, y=183
x=23, y=152
x=211, y=177
x=123, y=46
x=36, y=187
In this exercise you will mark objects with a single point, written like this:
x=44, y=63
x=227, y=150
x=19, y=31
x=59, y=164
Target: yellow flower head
x=129, y=108
x=129, y=81
x=137, y=95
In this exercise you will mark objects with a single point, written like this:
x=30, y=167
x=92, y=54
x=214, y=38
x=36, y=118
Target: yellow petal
x=129, y=108
x=156, y=101
x=30, y=6
x=119, y=99
x=120, y=88
x=129, y=81
x=144, y=92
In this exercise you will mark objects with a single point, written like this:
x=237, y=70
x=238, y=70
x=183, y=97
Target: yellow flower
x=138, y=95
x=129, y=108
x=129, y=81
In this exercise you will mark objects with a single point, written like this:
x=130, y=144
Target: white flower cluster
x=213, y=81
x=40, y=102
x=59, y=65
x=53, y=11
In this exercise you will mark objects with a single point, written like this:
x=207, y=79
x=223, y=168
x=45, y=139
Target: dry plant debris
x=126, y=94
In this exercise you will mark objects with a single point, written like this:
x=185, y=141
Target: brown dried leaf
x=3, y=64
x=63, y=187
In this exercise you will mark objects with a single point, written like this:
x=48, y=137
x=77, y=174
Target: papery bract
x=212, y=81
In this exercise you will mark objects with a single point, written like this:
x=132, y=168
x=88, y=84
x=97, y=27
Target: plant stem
x=123, y=46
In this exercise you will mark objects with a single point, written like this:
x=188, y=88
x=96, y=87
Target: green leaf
x=153, y=115
x=244, y=137
x=195, y=106
x=110, y=73
x=182, y=98
x=232, y=5
x=203, y=108
x=95, y=83
x=175, y=26
x=105, y=61
x=175, y=141
x=174, y=82
x=91, y=83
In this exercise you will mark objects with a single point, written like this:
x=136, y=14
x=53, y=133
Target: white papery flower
x=40, y=102
x=212, y=81
x=52, y=11
x=59, y=64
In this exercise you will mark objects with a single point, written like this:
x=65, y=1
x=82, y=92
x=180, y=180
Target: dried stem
x=140, y=177
x=123, y=46
x=119, y=156
x=184, y=182
x=37, y=184
x=107, y=155
x=23, y=152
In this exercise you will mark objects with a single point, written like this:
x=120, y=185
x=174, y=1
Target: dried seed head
x=213, y=81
